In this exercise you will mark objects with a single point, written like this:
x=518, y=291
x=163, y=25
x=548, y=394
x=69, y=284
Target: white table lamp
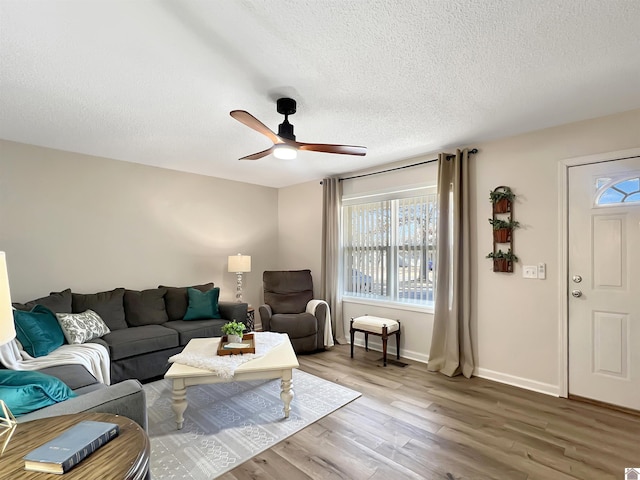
x=7, y=333
x=239, y=264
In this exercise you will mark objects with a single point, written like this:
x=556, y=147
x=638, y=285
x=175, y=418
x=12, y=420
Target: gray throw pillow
x=109, y=305
x=57, y=302
x=145, y=307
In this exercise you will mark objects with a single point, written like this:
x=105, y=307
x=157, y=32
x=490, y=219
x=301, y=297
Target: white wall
x=300, y=230
x=515, y=321
x=91, y=224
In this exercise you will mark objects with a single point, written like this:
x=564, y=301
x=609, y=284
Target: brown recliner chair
x=286, y=296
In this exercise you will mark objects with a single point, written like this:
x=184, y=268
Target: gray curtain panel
x=451, y=352
x=331, y=255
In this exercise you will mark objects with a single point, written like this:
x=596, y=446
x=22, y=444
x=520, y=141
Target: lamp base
x=239, y=287
x=8, y=425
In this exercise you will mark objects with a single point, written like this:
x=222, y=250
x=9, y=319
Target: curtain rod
x=472, y=151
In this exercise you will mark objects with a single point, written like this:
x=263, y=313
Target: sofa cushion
x=233, y=310
x=297, y=325
x=145, y=307
x=73, y=375
x=177, y=300
x=188, y=329
x=109, y=305
x=27, y=391
x=202, y=304
x=38, y=331
x=139, y=340
x=57, y=302
x=81, y=327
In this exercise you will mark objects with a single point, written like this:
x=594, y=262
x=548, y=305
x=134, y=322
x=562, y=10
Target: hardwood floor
x=414, y=424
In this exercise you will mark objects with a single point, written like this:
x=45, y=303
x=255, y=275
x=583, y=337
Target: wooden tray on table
x=246, y=338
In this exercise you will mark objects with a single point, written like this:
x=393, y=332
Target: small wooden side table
x=251, y=318
x=124, y=457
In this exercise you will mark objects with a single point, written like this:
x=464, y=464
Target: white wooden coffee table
x=279, y=362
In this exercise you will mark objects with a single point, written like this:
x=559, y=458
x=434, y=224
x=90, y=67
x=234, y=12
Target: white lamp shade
x=7, y=328
x=240, y=263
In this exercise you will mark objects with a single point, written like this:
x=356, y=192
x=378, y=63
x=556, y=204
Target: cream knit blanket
x=328, y=332
x=93, y=356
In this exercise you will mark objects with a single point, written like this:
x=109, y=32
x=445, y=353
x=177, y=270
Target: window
x=616, y=191
x=389, y=247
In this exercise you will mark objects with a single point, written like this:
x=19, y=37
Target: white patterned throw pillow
x=82, y=327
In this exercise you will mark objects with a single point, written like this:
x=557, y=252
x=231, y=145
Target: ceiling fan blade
x=328, y=148
x=258, y=155
x=252, y=122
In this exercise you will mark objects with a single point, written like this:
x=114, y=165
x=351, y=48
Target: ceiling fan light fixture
x=285, y=152
x=285, y=146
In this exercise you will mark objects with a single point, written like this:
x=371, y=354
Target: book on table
x=236, y=345
x=70, y=447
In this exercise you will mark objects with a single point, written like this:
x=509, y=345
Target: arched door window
x=614, y=191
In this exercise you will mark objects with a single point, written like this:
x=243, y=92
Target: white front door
x=604, y=282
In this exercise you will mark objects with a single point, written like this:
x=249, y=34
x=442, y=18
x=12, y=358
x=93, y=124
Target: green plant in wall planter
x=502, y=229
x=501, y=198
x=502, y=261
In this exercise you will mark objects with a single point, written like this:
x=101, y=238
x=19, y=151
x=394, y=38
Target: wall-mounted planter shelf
x=503, y=225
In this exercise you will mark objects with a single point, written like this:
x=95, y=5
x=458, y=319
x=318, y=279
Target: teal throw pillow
x=202, y=304
x=27, y=391
x=38, y=330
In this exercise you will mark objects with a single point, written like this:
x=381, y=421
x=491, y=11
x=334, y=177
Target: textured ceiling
x=153, y=81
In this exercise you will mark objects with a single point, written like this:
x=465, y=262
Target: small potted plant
x=502, y=229
x=502, y=261
x=501, y=198
x=233, y=330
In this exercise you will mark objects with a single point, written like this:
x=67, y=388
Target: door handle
x=576, y=293
x=577, y=278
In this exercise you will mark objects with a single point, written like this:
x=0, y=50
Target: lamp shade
x=7, y=328
x=239, y=263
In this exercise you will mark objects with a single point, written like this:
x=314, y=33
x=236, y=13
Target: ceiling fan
x=284, y=143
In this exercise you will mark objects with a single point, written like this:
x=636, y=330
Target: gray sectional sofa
x=147, y=327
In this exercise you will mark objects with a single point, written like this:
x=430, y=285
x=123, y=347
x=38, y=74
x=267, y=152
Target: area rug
x=226, y=424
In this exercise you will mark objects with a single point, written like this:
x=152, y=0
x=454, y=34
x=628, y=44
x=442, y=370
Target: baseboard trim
x=391, y=350
x=520, y=382
x=527, y=384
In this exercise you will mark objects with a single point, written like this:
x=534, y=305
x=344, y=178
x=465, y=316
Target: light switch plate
x=542, y=271
x=529, y=271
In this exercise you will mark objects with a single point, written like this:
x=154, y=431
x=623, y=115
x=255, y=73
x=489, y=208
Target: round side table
x=124, y=457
